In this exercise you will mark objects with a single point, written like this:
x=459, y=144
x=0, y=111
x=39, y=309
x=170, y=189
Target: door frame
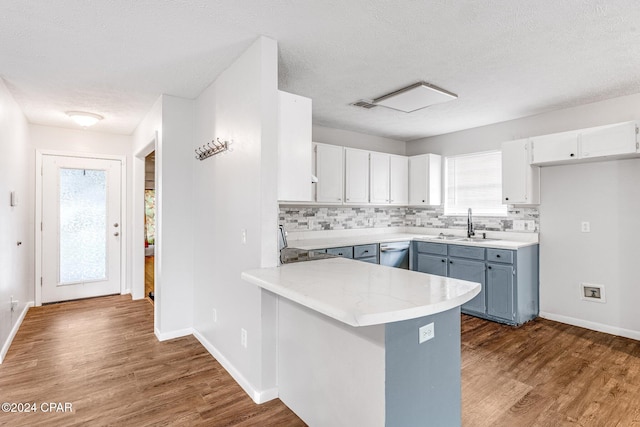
x=38, y=215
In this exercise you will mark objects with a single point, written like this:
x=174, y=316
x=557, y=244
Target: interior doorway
x=149, y=224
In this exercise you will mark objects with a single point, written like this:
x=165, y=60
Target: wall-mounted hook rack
x=212, y=148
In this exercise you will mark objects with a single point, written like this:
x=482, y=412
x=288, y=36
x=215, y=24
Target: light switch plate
x=585, y=227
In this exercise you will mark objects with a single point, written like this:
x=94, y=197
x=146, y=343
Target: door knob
x=116, y=234
x=116, y=224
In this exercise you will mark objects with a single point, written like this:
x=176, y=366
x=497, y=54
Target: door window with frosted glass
x=83, y=225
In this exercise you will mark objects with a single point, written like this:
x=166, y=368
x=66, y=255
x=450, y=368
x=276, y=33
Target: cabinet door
x=608, y=140
x=379, y=177
x=398, y=180
x=356, y=176
x=425, y=177
x=294, y=148
x=520, y=180
x=472, y=271
x=329, y=170
x=432, y=264
x=500, y=293
x=557, y=148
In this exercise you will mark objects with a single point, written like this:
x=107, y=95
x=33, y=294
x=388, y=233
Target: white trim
x=258, y=396
x=594, y=326
x=165, y=336
x=38, y=215
x=14, y=331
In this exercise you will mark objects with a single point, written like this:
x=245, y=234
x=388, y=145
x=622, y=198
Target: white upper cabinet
x=398, y=180
x=614, y=140
x=520, y=180
x=379, y=177
x=329, y=168
x=425, y=180
x=356, y=179
x=294, y=148
x=556, y=148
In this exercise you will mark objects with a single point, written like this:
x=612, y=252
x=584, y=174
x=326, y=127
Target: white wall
x=605, y=193
x=357, y=140
x=65, y=140
x=237, y=191
x=16, y=223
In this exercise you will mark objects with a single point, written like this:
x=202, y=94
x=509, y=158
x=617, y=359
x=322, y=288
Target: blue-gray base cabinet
x=366, y=253
x=509, y=278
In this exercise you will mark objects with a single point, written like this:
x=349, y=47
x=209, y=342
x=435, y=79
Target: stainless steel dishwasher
x=395, y=254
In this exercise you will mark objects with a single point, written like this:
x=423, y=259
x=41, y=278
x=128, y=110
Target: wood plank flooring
x=101, y=356
x=547, y=374
x=149, y=274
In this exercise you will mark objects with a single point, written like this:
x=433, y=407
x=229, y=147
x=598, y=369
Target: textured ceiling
x=505, y=59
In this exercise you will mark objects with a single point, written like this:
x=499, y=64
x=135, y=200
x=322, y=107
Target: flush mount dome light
x=415, y=97
x=84, y=119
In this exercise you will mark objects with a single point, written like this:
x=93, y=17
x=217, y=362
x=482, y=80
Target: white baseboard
x=258, y=396
x=14, y=330
x=594, y=326
x=164, y=336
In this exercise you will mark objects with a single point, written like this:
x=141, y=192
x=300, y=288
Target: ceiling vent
x=411, y=98
x=364, y=104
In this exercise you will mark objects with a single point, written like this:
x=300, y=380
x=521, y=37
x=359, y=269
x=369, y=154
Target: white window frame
x=497, y=210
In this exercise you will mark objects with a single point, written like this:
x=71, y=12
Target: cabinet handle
x=571, y=155
x=423, y=201
x=498, y=256
x=450, y=262
x=506, y=198
x=366, y=252
x=443, y=260
x=340, y=253
x=489, y=267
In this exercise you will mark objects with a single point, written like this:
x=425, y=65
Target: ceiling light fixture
x=84, y=119
x=409, y=99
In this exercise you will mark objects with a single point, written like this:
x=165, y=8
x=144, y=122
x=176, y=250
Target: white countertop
x=363, y=294
x=334, y=242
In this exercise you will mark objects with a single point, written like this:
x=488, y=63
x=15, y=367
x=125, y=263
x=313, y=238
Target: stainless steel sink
x=474, y=239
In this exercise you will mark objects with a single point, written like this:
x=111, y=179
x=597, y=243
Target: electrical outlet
x=215, y=315
x=529, y=225
x=518, y=225
x=244, y=236
x=585, y=227
x=426, y=333
x=310, y=224
x=418, y=222
x=243, y=337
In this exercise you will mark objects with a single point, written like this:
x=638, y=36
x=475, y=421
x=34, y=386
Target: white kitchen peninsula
x=348, y=343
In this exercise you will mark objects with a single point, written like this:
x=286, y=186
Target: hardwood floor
x=149, y=275
x=547, y=374
x=102, y=356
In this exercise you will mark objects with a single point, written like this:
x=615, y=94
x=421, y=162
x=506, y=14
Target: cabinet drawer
x=345, y=252
x=364, y=251
x=431, y=248
x=500, y=255
x=470, y=252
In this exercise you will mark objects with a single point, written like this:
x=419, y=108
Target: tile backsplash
x=317, y=218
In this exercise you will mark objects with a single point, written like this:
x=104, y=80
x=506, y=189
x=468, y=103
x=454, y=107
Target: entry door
x=81, y=230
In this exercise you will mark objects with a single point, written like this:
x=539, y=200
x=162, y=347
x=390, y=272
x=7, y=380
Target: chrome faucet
x=470, y=231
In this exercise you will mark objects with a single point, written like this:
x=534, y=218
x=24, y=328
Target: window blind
x=474, y=181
